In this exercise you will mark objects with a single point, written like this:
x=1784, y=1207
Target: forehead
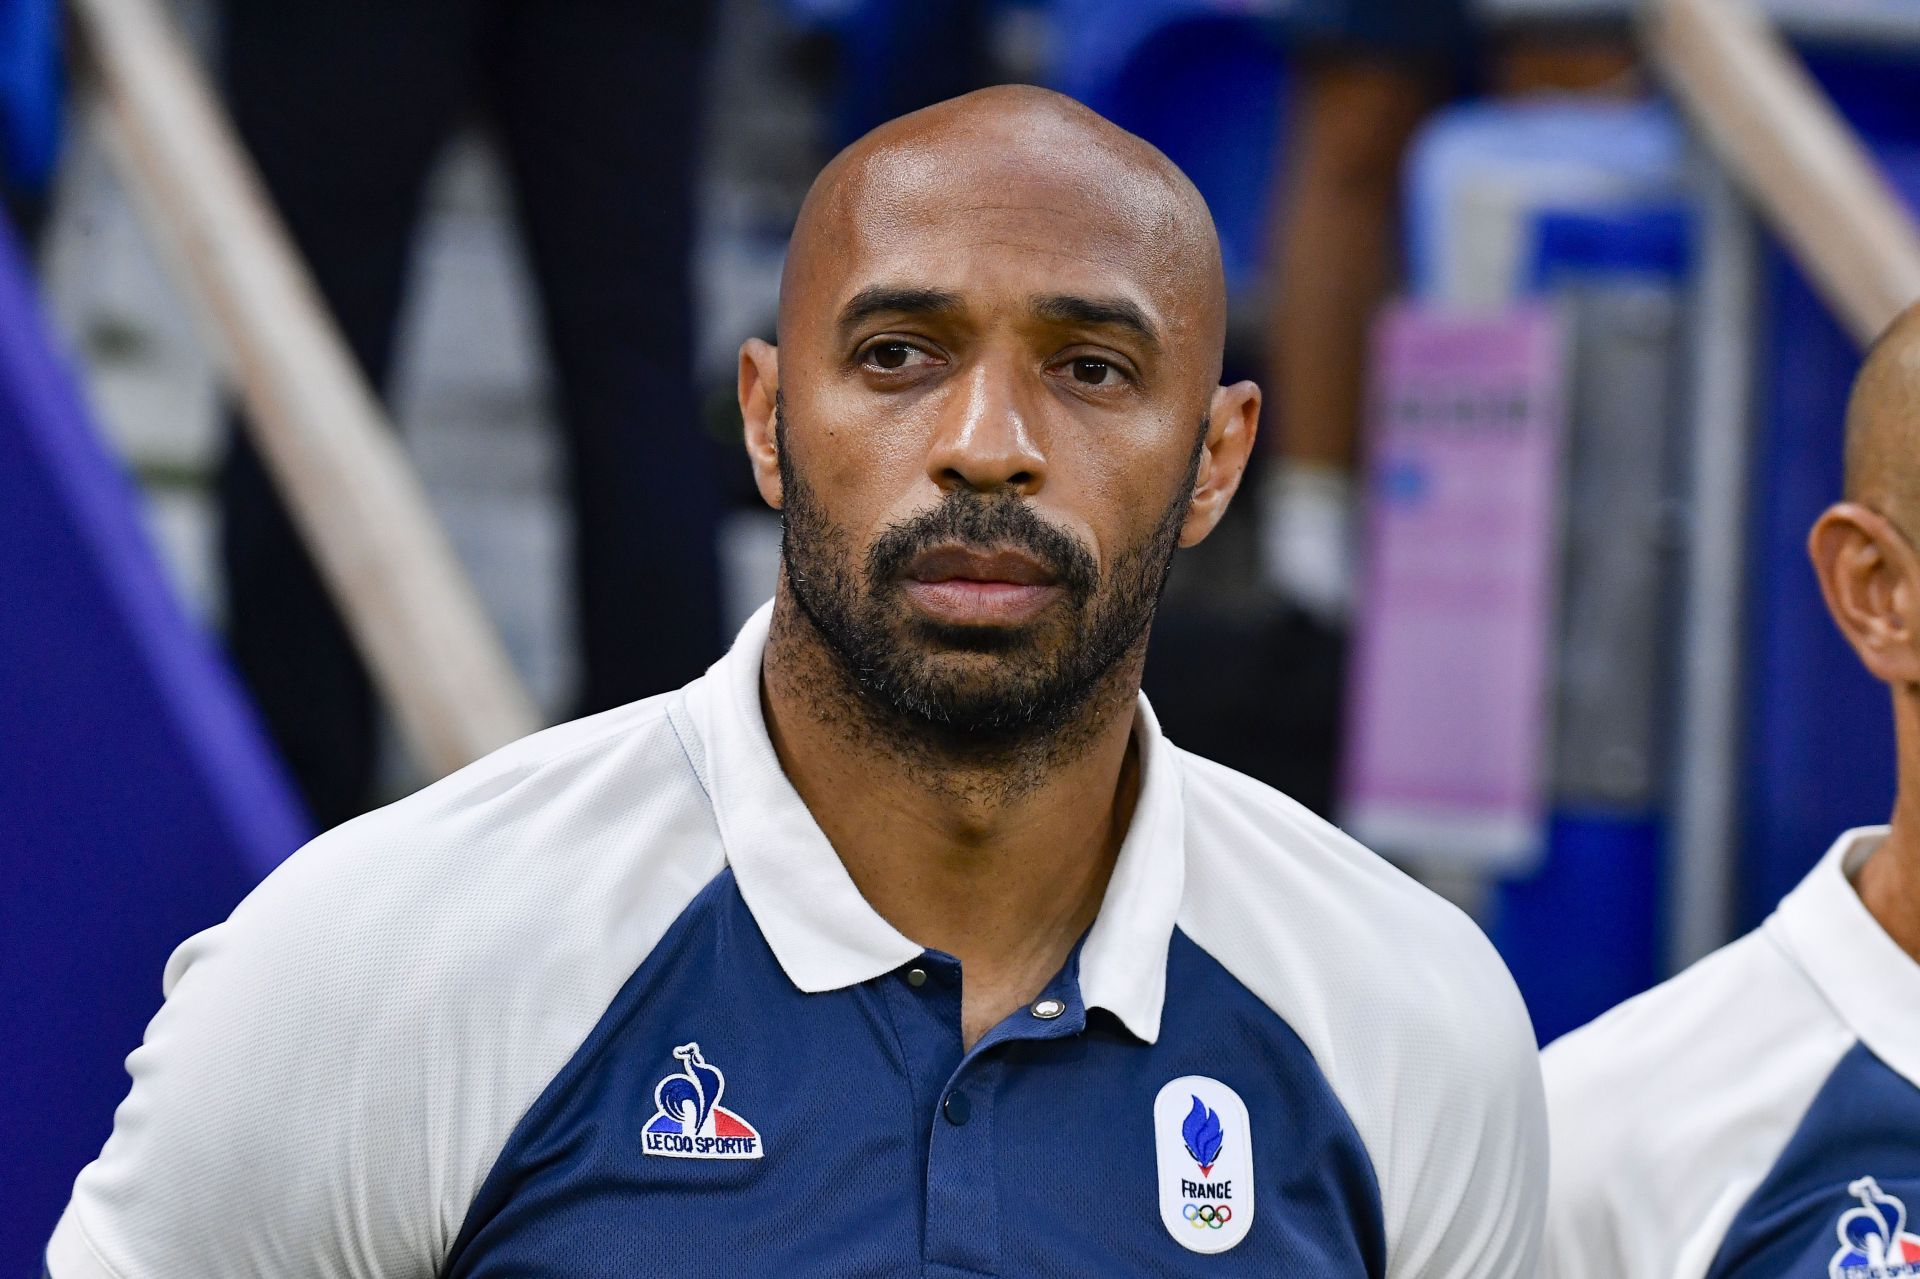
x=986, y=216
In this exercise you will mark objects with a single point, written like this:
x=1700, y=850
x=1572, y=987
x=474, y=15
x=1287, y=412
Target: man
x=1759, y=1115
x=901, y=943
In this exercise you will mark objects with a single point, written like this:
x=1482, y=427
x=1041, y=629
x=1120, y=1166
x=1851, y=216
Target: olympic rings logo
x=1207, y=1216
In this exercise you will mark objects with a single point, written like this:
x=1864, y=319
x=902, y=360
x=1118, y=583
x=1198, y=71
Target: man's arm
x=280, y=1120
x=1466, y=1193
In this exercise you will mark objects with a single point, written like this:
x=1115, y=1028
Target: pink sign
x=1449, y=677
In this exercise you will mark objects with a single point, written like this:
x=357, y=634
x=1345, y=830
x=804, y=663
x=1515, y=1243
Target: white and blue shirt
x=607, y=1003
x=1757, y=1117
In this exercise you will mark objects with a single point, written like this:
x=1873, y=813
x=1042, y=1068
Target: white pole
x=1793, y=155
x=1703, y=868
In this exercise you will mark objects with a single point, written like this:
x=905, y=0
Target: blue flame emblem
x=1203, y=1135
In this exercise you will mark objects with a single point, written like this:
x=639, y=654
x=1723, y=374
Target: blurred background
x=1516, y=593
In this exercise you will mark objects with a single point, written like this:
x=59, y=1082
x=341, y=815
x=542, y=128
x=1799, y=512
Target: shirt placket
x=962, y=1192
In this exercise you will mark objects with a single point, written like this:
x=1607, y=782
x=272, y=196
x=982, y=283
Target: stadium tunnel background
x=141, y=800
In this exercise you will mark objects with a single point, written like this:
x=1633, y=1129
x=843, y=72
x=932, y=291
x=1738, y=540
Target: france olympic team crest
x=689, y=1122
x=1874, y=1243
x=1203, y=1148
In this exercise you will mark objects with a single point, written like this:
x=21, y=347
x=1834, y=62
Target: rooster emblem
x=689, y=1122
x=688, y=1098
x=1874, y=1243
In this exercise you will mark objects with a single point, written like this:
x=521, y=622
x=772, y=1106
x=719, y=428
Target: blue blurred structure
x=1541, y=160
x=31, y=84
x=1203, y=80
x=139, y=801
x=1584, y=932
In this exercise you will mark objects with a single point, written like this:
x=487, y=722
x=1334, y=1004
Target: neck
x=1889, y=883
x=997, y=856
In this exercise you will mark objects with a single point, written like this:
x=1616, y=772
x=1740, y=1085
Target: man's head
x=1863, y=548
x=994, y=411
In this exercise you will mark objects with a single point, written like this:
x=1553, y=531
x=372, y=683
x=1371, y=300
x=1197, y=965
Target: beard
x=974, y=688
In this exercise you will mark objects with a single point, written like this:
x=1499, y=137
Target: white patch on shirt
x=1203, y=1145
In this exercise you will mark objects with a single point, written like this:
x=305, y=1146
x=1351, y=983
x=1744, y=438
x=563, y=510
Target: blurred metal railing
x=1793, y=155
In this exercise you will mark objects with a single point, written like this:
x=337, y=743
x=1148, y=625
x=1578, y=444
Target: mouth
x=963, y=586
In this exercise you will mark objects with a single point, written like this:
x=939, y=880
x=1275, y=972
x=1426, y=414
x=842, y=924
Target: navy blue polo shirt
x=607, y=1003
x=1756, y=1117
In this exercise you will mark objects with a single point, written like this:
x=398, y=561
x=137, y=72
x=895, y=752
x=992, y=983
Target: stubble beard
x=999, y=703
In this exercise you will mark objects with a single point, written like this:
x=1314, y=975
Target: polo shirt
x=1757, y=1117
x=608, y=1003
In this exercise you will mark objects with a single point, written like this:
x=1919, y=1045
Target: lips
x=968, y=587
x=961, y=564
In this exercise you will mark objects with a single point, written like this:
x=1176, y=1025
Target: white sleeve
x=1668, y=1112
x=1465, y=1181
x=338, y=1065
x=281, y=1116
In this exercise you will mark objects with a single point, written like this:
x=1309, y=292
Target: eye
x=892, y=356
x=1090, y=371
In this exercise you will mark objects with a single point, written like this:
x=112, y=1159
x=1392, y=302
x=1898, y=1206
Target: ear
x=759, y=397
x=1870, y=576
x=1233, y=420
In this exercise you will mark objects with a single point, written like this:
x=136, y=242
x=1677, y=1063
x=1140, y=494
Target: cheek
x=1124, y=493
x=864, y=473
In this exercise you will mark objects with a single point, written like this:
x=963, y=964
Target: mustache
x=1004, y=522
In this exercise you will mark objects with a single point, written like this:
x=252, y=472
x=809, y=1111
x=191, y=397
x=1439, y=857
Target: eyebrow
x=1114, y=313
x=890, y=299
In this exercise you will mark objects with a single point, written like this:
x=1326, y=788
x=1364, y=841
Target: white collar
x=822, y=930
x=1872, y=984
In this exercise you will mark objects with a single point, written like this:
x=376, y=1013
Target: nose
x=985, y=440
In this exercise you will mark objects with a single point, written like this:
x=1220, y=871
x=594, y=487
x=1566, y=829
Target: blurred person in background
x=1759, y=1115
x=1370, y=73
x=597, y=107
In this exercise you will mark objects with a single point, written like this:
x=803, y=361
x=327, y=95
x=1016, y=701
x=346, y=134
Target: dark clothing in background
x=1420, y=30
x=596, y=104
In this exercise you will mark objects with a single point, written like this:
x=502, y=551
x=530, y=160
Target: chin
x=968, y=644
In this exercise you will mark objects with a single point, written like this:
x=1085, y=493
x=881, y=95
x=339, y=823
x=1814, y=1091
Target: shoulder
x=1403, y=1002
x=1667, y=1112
x=503, y=835
x=1269, y=880
x=453, y=882
x=296, y=1076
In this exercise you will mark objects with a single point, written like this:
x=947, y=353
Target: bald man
x=901, y=943
x=1758, y=1116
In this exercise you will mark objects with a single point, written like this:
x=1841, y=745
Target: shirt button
x=916, y=977
x=1048, y=1009
x=958, y=1109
